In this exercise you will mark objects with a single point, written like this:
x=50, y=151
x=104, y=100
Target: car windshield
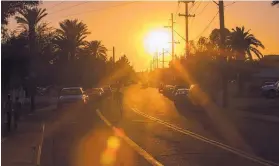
x=66, y=92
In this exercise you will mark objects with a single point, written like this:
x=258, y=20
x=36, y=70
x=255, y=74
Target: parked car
x=72, y=95
x=270, y=91
x=107, y=91
x=95, y=94
x=168, y=89
x=176, y=87
x=181, y=96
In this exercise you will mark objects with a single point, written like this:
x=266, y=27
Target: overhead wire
x=230, y=4
x=203, y=9
x=207, y=26
x=67, y=8
x=55, y=5
x=197, y=6
x=100, y=9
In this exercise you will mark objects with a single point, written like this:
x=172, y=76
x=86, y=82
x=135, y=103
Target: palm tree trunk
x=32, y=57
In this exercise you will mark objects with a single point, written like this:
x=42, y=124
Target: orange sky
x=125, y=24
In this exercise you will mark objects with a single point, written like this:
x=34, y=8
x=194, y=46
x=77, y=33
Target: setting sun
x=156, y=40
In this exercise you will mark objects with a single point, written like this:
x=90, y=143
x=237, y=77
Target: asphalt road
x=152, y=131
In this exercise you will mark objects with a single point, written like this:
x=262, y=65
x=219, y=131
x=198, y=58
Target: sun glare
x=156, y=40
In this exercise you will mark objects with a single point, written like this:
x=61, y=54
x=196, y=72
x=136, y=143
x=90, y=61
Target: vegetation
x=60, y=56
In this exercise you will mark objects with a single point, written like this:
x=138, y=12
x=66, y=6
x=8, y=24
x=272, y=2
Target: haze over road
x=78, y=136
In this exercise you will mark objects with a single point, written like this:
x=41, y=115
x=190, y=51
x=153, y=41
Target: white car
x=271, y=91
x=72, y=95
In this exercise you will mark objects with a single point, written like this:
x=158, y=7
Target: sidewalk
x=20, y=147
x=255, y=108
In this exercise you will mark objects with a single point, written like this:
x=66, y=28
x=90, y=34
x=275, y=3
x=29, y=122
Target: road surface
x=152, y=131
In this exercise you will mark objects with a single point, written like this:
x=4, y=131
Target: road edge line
x=130, y=142
x=207, y=140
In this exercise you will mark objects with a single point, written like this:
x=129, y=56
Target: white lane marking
x=207, y=140
x=136, y=147
x=38, y=161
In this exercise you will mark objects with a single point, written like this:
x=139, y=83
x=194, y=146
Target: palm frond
x=257, y=52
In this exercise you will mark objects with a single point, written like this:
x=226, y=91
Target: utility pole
x=113, y=54
x=157, y=59
x=222, y=53
x=172, y=37
x=186, y=15
x=163, y=55
x=222, y=23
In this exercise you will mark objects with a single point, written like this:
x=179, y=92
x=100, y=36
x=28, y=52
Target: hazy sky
x=125, y=25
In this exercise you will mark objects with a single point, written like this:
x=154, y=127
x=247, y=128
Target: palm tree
x=71, y=36
x=97, y=49
x=29, y=20
x=10, y=8
x=243, y=43
x=274, y=2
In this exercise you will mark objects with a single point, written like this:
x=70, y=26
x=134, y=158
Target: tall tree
x=215, y=39
x=97, y=49
x=242, y=43
x=28, y=20
x=10, y=8
x=71, y=37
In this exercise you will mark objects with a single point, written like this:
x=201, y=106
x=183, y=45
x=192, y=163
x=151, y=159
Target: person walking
x=9, y=108
x=17, y=111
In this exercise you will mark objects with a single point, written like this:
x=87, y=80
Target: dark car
x=167, y=91
x=72, y=95
x=95, y=94
x=176, y=87
x=181, y=96
x=107, y=91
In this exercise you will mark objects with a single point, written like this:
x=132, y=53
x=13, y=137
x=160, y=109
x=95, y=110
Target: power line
x=55, y=5
x=197, y=7
x=179, y=35
x=203, y=9
x=192, y=6
x=207, y=26
x=177, y=9
x=68, y=7
x=94, y=10
x=230, y=4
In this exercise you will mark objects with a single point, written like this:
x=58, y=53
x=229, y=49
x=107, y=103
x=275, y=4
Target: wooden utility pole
x=163, y=55
x=223, y=56
x=113, y=54
x=172, y=37
x=157, y=59
x=186, y=15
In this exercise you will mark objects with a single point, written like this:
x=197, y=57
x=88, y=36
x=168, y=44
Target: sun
x=156, y=40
